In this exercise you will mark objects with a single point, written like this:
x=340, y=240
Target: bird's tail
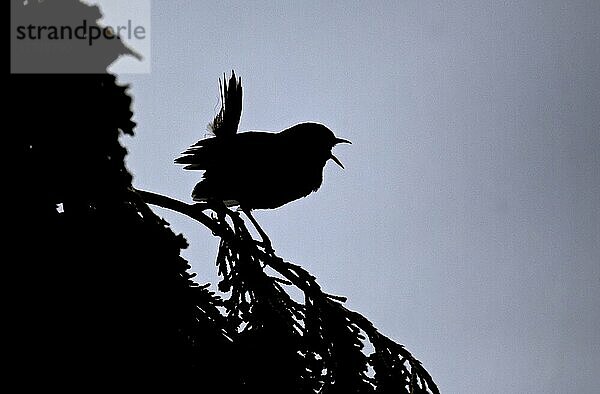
x=200, y=155
x=227, y=120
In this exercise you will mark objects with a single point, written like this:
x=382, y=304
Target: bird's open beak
x=341, y=141
x=337, y=161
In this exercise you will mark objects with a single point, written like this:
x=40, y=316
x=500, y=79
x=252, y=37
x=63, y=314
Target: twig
x=265, y=238
x=194, y=211
x=292, y=272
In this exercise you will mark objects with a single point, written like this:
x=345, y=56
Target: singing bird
x=256, y=169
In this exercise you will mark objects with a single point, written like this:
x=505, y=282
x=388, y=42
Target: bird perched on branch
x=255, y=169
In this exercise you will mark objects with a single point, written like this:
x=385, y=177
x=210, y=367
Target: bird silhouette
x=255, y=169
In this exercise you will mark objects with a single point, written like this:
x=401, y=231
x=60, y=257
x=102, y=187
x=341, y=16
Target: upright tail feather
x=225, y=124
x=227, y=120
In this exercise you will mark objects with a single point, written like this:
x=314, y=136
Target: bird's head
x=316, y=139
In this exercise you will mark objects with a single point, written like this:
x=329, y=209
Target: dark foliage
x=312, y=345
x=102, y=297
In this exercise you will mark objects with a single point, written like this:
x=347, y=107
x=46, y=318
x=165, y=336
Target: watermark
x=69, y=36
x=82, y=32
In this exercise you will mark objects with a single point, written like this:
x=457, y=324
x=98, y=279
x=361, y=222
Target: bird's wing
x=201, y=155
x=227, y=120
x=243, y=151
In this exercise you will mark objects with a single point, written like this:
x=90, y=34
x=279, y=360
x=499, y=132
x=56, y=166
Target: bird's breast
x=277, y=186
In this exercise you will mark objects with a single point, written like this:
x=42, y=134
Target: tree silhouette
x=104, y=296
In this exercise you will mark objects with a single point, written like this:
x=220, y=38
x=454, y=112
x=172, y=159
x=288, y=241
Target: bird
x=257, y=169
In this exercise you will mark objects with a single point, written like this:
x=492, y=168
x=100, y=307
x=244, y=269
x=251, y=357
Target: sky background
x=466, y=224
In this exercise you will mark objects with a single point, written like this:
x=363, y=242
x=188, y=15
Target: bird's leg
x=266, y=242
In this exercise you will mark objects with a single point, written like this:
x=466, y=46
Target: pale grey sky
x=466, y=224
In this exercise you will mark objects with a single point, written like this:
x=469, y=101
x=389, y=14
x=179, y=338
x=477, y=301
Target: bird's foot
x=265, y=244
